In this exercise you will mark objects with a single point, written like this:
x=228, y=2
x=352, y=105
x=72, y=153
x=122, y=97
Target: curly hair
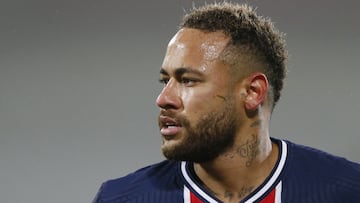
x=253, y=38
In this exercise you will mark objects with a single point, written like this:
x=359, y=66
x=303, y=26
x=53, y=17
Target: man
x=222, y=73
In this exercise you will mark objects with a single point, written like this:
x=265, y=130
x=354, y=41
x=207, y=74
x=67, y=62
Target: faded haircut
x=254, y=40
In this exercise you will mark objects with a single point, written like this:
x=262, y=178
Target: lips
x=168, y=126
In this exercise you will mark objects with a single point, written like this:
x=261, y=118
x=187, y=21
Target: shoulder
x=316, y=159
x=148, y=178
x=317, y=171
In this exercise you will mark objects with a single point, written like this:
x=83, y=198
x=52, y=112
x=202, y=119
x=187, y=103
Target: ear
x=257, y=87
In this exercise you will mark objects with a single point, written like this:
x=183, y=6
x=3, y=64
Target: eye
x=164, y=81
x=188, y=81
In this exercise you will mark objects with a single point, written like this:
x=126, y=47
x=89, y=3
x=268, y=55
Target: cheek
x=199, y=101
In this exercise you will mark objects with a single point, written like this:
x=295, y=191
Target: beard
x=211, y=136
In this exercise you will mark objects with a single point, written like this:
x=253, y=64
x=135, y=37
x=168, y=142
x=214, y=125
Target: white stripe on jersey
x=278, y=193
x=186, y=195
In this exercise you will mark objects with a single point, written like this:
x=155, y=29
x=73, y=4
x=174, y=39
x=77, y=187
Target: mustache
x=170, y=114
x=177, y=118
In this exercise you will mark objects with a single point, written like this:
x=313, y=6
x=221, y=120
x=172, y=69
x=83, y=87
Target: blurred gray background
x=78, y=83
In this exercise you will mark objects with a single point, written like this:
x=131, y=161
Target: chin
x=169, y=149
x=169, y=145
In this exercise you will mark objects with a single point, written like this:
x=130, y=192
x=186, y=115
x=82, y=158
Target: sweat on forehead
x=208, y=44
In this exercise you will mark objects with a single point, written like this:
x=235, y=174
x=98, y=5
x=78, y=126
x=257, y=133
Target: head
x=221, y=67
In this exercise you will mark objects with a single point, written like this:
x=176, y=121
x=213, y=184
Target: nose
x=169, y=96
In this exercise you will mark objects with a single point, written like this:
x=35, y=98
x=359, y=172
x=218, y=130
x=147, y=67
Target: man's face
x=198, y=115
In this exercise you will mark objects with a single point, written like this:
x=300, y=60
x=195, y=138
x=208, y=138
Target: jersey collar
x=193, y=185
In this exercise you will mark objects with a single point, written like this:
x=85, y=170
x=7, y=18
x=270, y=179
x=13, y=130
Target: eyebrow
x=181, y=71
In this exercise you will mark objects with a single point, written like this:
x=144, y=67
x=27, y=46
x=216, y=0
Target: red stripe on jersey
x=270, y=198
x=194, y=199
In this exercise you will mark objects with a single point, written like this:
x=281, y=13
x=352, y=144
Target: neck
x=241, y=169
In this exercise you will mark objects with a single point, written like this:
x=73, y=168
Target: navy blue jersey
x=301, y=174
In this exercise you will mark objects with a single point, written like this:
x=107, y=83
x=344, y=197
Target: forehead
x=195, y=47
x=199, y=38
